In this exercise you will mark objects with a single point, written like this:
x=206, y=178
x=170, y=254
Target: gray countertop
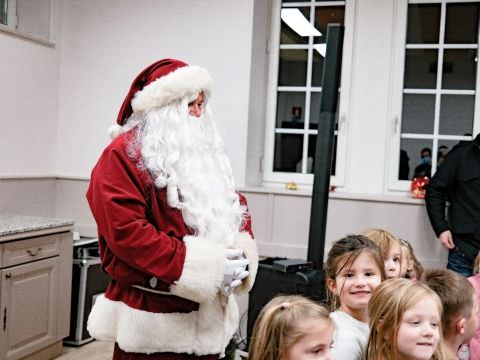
x=15, y=224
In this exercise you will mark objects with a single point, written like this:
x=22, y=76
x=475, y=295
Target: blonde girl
x=354, y=270
x=411, y=268
x=405, y=322
x=390, y=246
x=291, y=328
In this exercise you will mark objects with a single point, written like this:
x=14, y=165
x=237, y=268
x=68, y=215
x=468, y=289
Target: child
x=354, y=270
x=289, y=328
x=391, y=250
x=405, y=322
x=459, y=321
x=411, y=268
x=474, y=344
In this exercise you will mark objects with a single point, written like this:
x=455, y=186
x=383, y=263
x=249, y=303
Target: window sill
x=403, y=198
x=9, y=31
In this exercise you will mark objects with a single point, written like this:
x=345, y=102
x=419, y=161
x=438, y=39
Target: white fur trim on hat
x=203, y=332
x=185, y=81
x=202, y=272
x=115, y=130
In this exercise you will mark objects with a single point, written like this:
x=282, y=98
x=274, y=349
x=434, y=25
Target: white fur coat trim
x=202, y=272
x=245, y=242
x=202, y=332
x=185, y=81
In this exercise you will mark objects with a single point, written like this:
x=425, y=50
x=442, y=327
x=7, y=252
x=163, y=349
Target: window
x=437, y=99
x=6, y=14
x=297, y=56
x=27, y=18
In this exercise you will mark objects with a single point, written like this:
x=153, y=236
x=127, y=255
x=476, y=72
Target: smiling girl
x=405, y=322
x=354, y=269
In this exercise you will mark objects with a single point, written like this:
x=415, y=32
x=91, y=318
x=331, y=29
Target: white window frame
x=12, y=24
x=396, y=101
x=270, y=177
x=11, y=16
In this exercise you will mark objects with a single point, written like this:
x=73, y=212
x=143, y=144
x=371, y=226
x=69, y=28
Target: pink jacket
x=475, y=342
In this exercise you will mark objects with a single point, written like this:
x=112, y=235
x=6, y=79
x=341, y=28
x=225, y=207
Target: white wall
x=28, y=101
x=281, y=222
x=368, y=116
x=258, y=91
x=105, y=44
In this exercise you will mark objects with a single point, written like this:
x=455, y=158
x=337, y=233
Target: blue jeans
x=459, y=262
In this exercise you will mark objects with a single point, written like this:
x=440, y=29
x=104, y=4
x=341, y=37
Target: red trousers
x=119, y=354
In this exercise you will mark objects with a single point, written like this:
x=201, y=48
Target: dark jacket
x=457, y=180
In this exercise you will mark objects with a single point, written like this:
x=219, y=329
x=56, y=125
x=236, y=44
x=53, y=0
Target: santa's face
x=195, y=107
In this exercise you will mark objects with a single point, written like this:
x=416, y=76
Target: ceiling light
x=295, y=19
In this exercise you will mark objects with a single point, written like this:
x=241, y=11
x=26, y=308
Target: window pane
x=325, y=15
x=292, y=68
x=456, y=114
x=459, y=69
x=414, y=154
x=315, y=100
x=3, y=11
x=312, y=143
x=290, y=36
x=462, y=23
x=288, y=152
x=290, y=110
x=420, y=69
x=418, y=113
x=317, y=68
x=423, y=23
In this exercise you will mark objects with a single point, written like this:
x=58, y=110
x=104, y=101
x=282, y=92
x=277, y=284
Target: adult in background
x=425, y=166
x=174, y=235
x=458, y=181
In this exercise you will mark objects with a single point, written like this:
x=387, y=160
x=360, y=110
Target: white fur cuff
x=202, y=332
x=185, y=81
x=247, y=244
x=202, y=271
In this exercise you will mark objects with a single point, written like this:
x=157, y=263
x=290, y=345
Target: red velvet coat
x=163, y=296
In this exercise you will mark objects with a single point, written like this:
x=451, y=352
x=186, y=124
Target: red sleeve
x=117, y=200
x=247, y=223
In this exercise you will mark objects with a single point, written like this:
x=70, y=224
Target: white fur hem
x=185, y=81
x=202, y=272
x=245, y=242
x=203, y=332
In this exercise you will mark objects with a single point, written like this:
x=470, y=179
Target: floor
x=95, y=350
x=101, y=350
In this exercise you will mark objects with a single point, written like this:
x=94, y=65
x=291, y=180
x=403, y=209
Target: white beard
x=185, y=155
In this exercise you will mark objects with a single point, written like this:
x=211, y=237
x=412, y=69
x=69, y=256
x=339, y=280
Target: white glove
x=235, y=270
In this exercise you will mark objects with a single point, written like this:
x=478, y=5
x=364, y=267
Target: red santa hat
x=160, y=84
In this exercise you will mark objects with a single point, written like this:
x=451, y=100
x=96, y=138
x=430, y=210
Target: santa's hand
x=228, y=289
x=235, y=270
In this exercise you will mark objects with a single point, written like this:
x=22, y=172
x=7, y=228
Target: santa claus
x=174, y=235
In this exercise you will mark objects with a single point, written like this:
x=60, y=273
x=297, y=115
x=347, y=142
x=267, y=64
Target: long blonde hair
x=384, y=239
x=281, y=323
x=386, y=308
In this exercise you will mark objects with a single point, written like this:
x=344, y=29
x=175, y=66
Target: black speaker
x=271, y=281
